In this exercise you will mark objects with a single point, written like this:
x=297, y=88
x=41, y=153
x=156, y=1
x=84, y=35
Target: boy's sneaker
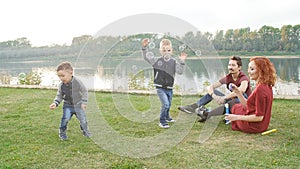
x=170, y=120
x=164, y=125
x=87, y=134
x=63, y=136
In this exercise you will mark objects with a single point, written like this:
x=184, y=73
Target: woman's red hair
x=266, y=70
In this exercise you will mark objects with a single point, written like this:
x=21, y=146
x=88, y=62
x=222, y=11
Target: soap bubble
x=134, y=67
x=152, y=45
x=198, y=52
x=182, y=48
x=149, y=55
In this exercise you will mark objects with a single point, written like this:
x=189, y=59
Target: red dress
x=258, y=103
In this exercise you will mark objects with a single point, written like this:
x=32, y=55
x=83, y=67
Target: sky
x=48, y=22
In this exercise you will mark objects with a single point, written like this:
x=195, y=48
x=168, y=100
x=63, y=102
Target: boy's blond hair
x=165, y=42
x=64, y=66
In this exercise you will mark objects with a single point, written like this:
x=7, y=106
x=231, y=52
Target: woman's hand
x=232, y=117
x=234, y=88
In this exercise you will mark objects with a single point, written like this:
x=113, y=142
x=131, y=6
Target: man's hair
x=165, y=42
x=64, y=66
x=237, y=59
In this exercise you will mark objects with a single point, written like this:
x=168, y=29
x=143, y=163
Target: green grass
x=29, y=136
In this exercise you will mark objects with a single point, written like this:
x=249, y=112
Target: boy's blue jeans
x=165, y=96
x=68, y=112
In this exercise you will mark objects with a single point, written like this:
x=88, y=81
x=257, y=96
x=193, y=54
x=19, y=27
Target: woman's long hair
x=266, y=70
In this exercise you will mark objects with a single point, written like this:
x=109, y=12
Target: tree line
x=267, y=38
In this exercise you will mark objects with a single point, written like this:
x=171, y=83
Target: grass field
x=29, y=136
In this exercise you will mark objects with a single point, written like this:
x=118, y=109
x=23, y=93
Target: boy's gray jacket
x=164, y=71
x=73, y=93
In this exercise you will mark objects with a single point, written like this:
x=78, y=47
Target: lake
x=136, y=75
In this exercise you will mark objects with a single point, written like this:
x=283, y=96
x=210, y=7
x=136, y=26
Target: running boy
x=165, y=68
x=75, y=96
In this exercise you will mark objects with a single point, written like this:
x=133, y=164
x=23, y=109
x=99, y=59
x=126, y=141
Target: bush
x=32, y=78
x=5, y=78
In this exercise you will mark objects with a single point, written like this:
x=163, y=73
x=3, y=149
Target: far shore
x=218, y=57
x=224, y=57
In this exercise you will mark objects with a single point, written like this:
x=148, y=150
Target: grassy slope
x=29, y=137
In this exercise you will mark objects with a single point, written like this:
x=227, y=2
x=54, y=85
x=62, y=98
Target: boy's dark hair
x=64, y=66
x=237, y=59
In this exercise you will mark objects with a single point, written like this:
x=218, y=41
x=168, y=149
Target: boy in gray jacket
x=75, y=96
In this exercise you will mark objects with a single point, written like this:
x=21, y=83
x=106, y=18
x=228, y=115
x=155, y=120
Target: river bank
x=276, y=96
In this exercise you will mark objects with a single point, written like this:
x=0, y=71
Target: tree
x=219, y=40
x=81, y=40
x=228, y=39
x=256, y=42
x=287, y=33
x=17, y=43
x=269, y=37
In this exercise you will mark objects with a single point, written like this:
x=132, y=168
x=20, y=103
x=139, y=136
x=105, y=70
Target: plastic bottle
x=227, y=112
x=208, y=109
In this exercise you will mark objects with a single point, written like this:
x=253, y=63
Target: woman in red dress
x=253, y=115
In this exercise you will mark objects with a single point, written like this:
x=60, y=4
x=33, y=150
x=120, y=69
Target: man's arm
x=213, y=86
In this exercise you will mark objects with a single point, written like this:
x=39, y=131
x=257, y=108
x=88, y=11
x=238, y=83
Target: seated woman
x=253, y=115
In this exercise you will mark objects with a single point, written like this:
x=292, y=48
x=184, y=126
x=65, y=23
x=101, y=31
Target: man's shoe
x=189, y=108
x=202, y=112
x=201, y=120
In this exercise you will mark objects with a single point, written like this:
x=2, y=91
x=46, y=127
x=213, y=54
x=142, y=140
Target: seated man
x=235, y=76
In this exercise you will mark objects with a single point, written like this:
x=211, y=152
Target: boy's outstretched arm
x=148, y=57
x=180, y=64
x=57, y=99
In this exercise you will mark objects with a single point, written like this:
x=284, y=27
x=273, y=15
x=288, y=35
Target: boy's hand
x=145, y=42
x=83, y=106
x=183, y=56
x=52, y=106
